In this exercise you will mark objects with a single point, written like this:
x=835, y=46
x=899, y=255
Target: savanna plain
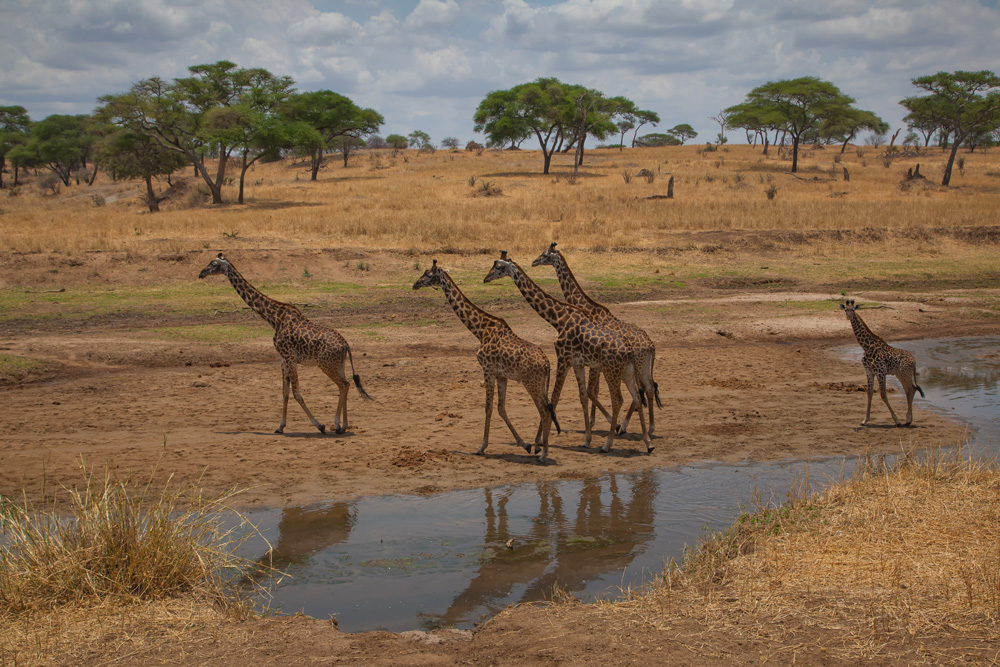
x=126, y=380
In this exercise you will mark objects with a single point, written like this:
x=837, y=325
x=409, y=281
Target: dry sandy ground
x=207, y=413
x=766, y=389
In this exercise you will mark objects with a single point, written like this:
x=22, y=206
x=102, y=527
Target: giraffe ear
x=220, y=256
x=843, y=307
x=434, y=264
x=552, y=247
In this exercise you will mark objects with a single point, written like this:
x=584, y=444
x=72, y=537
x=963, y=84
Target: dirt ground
x=743, y=387
x=746, y=387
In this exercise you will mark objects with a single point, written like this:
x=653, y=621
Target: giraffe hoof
x=605, y=450
x=619, y=429
x=279, y=430
x=340, y=431
x=649, y=450
x=322, y=428
x=527, y=449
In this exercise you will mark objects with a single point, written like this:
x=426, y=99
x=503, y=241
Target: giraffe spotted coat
x=503, y=355
x=298, y=341
x=881, y=359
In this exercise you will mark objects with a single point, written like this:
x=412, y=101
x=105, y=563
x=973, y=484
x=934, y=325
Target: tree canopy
x=960, y=103
x=796, y=106
x=324, y=120
x=14, y=127
x=557, y=114
x=219, y=109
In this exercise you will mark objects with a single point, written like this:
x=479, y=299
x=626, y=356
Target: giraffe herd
x=589, y=336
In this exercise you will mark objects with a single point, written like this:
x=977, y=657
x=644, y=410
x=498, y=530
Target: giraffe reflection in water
x=612, y=522
x=304, y=532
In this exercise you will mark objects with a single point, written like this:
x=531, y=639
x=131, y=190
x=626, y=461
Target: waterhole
x=454, y=559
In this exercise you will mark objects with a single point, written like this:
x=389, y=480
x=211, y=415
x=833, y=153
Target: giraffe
x=298, y=341
x=637, y=338
x=503, y=355
x=581, y=342
x=881, y=359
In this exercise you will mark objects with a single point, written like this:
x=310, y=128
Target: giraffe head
x=216, y=266
x=432, y=277
x=502, y=267
x=848, y=307
x=550, y=257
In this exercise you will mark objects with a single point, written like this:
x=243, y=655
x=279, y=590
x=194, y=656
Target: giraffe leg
x=871, y=389
x=336, y=373
x=284, y=399
x=293, y=380
x=885, y=398
x=502, y=409
x=593, y=386
x=581, y=382
x=490, y=380
x=630, y=384
x=908, y=380
x=614, y=381
x=544, y=424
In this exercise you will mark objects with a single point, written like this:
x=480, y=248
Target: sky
x=427, y=64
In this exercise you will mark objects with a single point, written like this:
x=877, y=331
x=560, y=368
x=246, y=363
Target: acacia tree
x=126, y=154
x=62, y=143
x=682, y=132
x=14, y=124
x=559, y=115
x=211, y=113
x=798, y=107
x=326, y=117
x=847, y=122
x=960, y=103
x=419, y=139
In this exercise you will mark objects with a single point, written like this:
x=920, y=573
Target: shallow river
x=416, y=562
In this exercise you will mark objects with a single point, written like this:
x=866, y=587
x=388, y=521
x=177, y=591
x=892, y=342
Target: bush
x=118, y=540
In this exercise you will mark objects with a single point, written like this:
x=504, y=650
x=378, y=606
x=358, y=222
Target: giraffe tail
x=357, y=378
x=552, y=413
x=920, y=389
x=656, y=395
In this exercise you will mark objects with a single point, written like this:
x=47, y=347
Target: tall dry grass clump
x=119, y=541
x=899, y=562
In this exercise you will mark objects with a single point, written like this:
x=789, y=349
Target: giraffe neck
x=550, y=309
x=866, y=337
x=272, y=311
x=474, y=317
x=572, y=290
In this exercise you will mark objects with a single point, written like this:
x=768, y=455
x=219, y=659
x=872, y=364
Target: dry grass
x=433, y=201
x=115, y=541
x=898, y=563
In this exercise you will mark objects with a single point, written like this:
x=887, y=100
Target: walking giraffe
x=581, y=342
x=639, y=340
x=298, y=341
x=881, y=359
x=503, y=355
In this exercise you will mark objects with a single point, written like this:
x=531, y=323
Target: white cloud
x=432, y=14
x=432, y=61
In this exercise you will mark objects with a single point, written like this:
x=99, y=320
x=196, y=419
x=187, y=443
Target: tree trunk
x=548, y=160
x=243, y=173
x=317, y=160
x=3, y=163
x=795, y=153
x=93, y=175
x=151, y=201
x=951, y=160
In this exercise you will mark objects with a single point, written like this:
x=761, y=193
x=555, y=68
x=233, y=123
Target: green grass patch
x=14, y=368
x=211, y=333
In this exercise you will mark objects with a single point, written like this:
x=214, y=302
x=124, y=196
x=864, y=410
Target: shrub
x=117, y=540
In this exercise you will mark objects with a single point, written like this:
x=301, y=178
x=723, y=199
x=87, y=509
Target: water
x=408, y=562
